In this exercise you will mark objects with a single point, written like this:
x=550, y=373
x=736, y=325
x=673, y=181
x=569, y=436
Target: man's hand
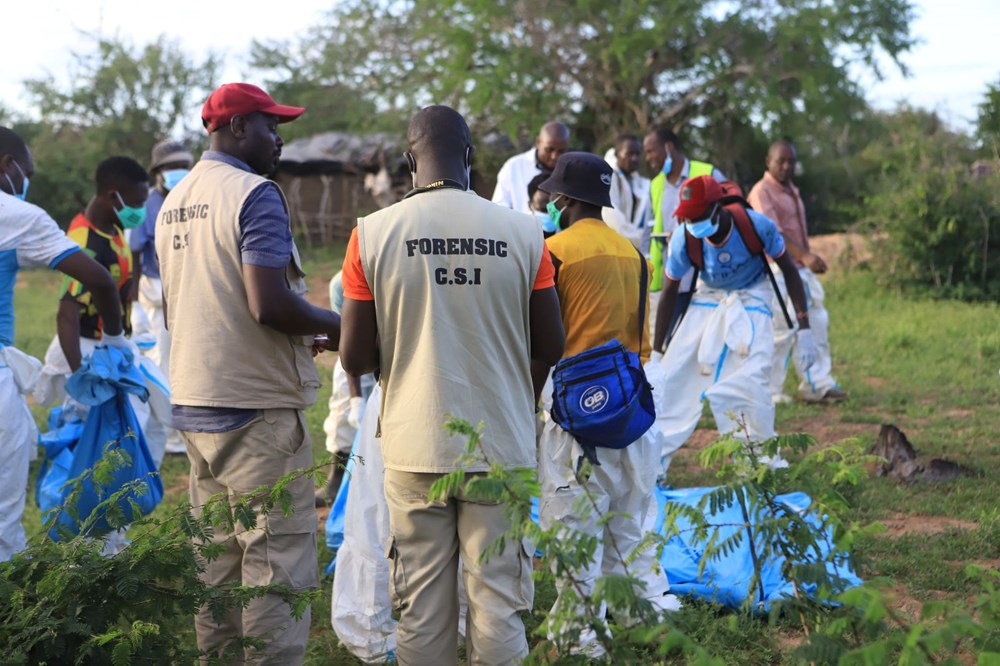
x=321, y=343
x=814, y=263
x=805, y=348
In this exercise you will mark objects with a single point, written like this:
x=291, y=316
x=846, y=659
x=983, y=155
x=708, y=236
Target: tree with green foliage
x=707, y=68
x=296, y=73
x=121, y=99
x=988, y=125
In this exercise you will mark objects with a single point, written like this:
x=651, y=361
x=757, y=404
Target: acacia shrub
x=933, y=224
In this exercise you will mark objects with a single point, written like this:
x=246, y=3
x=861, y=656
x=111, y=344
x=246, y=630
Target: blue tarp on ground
x=725, y=580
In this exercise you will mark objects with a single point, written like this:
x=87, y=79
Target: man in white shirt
x=513, y=178
x=29, y=237
x=630, y=192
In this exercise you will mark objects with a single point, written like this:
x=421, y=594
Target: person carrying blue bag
x=104, y=382
x=602, y=404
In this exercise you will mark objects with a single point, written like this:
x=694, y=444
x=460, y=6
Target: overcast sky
x=959, y=56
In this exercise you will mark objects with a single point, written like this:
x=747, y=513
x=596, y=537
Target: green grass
x=929, y=367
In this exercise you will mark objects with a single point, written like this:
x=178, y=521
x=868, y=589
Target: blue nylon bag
x=57, y=458
x=104, y=382
x=601, y=395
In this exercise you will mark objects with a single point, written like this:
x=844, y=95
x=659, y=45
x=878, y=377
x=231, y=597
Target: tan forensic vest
x=220, y=356
x=452, y=275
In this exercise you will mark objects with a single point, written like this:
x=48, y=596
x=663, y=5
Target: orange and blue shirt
x=109, y=250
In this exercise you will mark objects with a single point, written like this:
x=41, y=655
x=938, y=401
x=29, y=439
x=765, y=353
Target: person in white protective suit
x=776, y=196
x=348, y=396
x=599, y=281
x=724, y=344
x=361, y=604
x=629, y=193
x=169, y=163
x=122, y=189
x=30, y=238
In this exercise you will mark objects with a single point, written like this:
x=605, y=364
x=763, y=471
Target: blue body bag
x=104, y=382
x=601, y=395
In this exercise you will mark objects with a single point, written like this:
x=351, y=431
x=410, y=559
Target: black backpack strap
x=745, y=226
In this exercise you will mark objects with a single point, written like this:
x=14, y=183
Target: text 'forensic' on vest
x=483, y=247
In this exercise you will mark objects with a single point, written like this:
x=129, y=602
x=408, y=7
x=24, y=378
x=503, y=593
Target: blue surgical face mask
x=544, y=219
x=128, y=216
x=173, y=176
x=705, y=227
x=668, y=164
x=555, y=213
x=23, y=194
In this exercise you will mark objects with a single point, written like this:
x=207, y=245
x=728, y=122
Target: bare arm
x=274, y=305
x=548, y=337
x=68, y=329
x=665, y=313
x=795, y=290
x=98, y=281
x=359, y=338
x=136, y=274
x=354, y=386
x=803, y=256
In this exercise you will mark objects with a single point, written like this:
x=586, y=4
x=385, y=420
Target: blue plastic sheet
x=103, y=382
x=725, y=579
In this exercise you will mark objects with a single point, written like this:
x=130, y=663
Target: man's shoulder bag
x=601, y=396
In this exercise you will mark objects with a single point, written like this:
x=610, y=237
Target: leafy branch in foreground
x=635, y=627
x=64, y=602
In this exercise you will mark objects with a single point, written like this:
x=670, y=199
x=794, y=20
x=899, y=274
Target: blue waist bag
x=601, y=396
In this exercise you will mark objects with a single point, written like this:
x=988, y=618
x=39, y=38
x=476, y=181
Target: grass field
x=927, y=366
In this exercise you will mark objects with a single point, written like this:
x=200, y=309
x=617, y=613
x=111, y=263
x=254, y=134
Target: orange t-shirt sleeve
x=353, y=276
x=546, y=276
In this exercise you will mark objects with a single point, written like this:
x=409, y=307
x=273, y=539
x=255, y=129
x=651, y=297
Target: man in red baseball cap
x=241, y=368
x=722, y=348
x=231, y=99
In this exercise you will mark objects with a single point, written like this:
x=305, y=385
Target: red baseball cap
x=231, y=99
x=697, y=196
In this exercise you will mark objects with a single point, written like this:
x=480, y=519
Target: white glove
x=805, y=348
x=118, y=341
x=357, y=411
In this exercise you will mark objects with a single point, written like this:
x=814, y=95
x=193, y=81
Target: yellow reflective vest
x=656, y=187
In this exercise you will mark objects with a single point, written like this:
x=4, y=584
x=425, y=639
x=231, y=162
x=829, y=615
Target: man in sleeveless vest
x=450, y=297
x=664, y=155
x=776, y=196
x=598, y=278
x=724, y=345
x=241, y=368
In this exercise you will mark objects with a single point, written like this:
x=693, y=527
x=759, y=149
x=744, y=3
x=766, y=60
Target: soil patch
x=827, y=431
x=901, y=524
x=841, y=251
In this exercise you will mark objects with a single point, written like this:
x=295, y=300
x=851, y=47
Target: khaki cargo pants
x=425, y=541
x=281, y=550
